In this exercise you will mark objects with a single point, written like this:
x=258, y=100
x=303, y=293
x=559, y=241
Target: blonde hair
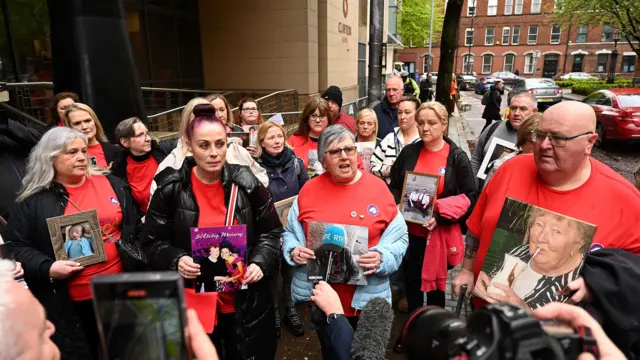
x=212, y=97
x=86, y=108
x=185, y=118
x=368, y=112
x=437, y=108
x=529, y=124
x=262, y=133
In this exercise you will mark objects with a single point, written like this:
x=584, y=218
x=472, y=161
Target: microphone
x=374, y=330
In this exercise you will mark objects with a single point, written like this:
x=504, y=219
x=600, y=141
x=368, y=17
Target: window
x=508, y=7
x=509, y=59
x=518, y=9
x=515, y=38
x=506, y=33
x=528, y=64
x=393, y=17
x=533, y=34
x=628, y=63
x=535, y=6
x=468, y=37
x=607, y=32
x=487, y=61
x=492, y=7
x=582, y=33
x=555, y=33
x=467, y=64
x=471, y=7
x=602, y=62
x=489, y=35
x=578, y=60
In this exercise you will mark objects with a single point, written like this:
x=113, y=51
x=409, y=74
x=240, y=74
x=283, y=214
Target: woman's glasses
x=315, y=117
x=250, y=109
x=348, y=151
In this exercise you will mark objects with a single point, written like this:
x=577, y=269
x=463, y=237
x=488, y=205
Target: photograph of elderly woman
x=534, y=253
x=366, y=150
x=418, y=197
x=337, y=248
x=78, y=240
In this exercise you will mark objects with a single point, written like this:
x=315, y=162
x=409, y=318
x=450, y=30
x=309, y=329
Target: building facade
x=506, y=35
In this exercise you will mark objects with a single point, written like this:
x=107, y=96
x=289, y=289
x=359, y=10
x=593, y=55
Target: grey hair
x=124, y=129
x=40, y=171
x=532, y=99
x=10, y=345
x=331, y=134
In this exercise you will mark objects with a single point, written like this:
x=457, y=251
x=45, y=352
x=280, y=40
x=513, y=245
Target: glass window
x=533, y=34
x=602, y=62
x=509, y=59
x=467, y=62
x=393, y=17
x=528, y=64
x=492, y=7
x=515, y=38
x=471, y=7
x=518, y=9
x=540, y=83
x=506, y=34
x=594, y=98
x=555, y=33
x=190, y=53
x=487, y=61
x=607, y=32
x=508, y=7
x=468, y=38
x=628, y=63
x=577, y=63
x=582, y=33
x=535, y=6
x=489, y=35
x=629, y=100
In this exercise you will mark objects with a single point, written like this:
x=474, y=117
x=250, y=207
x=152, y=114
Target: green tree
x=415, y=21
x=622, y=14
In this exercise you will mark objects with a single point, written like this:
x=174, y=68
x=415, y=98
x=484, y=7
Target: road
x=621, y=157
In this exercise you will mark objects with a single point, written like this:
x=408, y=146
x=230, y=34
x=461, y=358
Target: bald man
x=559, y=176
x=387, y=109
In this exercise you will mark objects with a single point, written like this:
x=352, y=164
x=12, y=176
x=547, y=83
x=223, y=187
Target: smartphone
x=141, y=316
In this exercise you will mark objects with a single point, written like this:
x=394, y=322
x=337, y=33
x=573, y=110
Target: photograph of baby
x=337, y=248
x=534, y=253
x=220, y=252
x=498, y=148
x=78, y=240
x=366, y=150
x=418, y=197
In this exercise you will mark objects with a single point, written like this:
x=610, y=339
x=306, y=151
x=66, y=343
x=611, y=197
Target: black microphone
x=374, y=330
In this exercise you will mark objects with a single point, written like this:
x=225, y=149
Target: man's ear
x=535, y=110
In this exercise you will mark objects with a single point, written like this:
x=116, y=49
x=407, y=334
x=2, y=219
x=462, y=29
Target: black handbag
x=132, y=256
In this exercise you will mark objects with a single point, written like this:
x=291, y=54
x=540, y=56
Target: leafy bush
x=586, y=87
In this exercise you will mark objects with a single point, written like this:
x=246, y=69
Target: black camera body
x=497, y=332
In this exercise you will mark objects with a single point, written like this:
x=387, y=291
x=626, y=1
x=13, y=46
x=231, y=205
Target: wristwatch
x=332, y=317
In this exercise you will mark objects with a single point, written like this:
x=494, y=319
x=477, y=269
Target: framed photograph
x=366, y=150
x=418, y=196
x=253, y=135
x=77, y=237
x=533, y=253
x=315, y=166
x=283, y=207
x=498, y=148
x=240, y=138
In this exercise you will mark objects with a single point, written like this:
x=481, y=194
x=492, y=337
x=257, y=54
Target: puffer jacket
x=173, y=211
x=28, y=234
x=288, y=181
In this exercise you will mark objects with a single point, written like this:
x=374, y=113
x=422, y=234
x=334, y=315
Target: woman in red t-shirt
x=65, y=184
x=315, y=117
x=101, y=153
x=197, y=195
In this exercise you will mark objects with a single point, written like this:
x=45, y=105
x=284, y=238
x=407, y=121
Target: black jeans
x=89, y=325
x=413, y=276
x=225, y=337
x=325, y=340
x=286, y=273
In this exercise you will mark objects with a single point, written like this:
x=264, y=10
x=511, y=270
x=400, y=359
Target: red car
x=618, y=114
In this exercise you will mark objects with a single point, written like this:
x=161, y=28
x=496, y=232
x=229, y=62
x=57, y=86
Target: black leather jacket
x=166, y=237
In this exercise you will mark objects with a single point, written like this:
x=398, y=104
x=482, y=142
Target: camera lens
x=432, y=333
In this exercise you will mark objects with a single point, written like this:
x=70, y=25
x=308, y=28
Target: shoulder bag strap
x=231, y=208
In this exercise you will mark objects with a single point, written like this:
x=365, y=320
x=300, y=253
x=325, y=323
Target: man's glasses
x=555, y=140
x=250, y=109
x=348, y=151
x=316, y=117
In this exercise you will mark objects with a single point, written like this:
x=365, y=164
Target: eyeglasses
x=320, y=117
x=555, y=140
x=348, y=151
x=250, y=109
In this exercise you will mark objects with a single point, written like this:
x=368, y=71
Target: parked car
x=466, y=82
x=484, y=85
x=545, y=90
x=578, y=75
x=509, y=78
x=617, y=113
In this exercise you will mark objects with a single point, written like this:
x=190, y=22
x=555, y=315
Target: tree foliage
x=415, y=21
x=621, y=14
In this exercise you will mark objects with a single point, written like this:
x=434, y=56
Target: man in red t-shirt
x=560, y=176
x=333, y=95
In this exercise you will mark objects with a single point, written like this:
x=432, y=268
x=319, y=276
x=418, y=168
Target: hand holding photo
x=77, y=237
x=498, y=148
x=418, y=197
x=253, y=135
x=534, y=253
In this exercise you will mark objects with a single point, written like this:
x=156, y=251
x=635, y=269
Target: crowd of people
x=149, y=195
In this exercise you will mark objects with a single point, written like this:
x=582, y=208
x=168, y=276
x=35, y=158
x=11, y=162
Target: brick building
x=506, y=34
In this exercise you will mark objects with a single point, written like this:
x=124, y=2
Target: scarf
x=276, y=161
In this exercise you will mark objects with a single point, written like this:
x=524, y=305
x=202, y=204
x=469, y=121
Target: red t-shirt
x=96, y=156
x=140, y=176
x=606, y=200
x=347, y=121
x=301, y=146
x=368, y=199
x=432, y=163
x=213, y=211
x=96, y=194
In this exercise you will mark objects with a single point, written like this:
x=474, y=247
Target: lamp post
x=614, y=57
x=472, y=13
